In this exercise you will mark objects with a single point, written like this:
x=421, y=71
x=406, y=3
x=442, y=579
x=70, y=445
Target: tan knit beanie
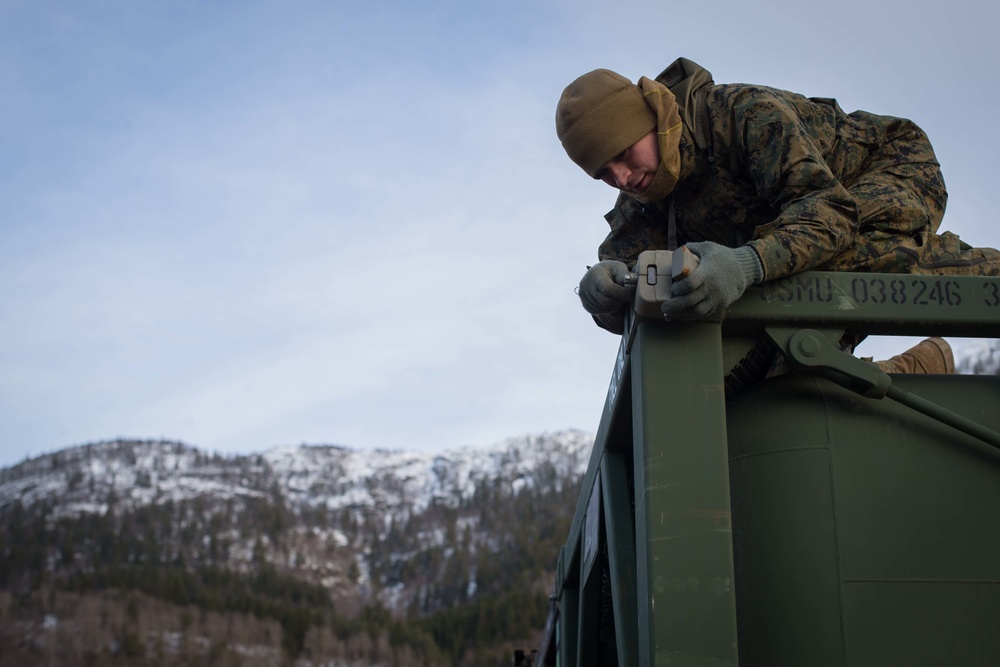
x=599, y=115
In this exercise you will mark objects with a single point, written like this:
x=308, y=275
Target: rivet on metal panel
x=809, y=346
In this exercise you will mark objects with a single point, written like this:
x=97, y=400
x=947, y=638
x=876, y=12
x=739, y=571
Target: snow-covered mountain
x=334, y=477
x=133, y=474
x=980, y=357
x=352, y=521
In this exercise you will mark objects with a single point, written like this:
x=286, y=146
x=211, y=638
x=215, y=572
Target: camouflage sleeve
x=818, y=218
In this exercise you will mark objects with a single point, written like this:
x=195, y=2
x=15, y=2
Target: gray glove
x=602, y=288
x=722, y=275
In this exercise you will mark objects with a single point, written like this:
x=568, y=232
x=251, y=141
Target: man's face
x=633, y=169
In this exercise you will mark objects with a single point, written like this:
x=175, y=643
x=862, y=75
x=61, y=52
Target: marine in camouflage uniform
x=806, y=185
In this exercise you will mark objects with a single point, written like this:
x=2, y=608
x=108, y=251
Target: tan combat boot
x=928, y=356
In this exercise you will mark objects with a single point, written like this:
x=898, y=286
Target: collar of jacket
x=689, y=82
x=693, y=160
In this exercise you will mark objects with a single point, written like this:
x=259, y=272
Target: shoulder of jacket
x=686, y=71
x=690, y=83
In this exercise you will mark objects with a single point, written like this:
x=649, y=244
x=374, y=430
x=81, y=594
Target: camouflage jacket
x=766, y=167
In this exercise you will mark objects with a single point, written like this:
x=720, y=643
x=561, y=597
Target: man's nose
x=621, y=174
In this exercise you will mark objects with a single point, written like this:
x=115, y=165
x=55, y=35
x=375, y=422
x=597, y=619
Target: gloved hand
x=721, y=277
x=602, y=288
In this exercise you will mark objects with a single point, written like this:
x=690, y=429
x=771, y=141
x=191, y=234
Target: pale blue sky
x=248, y=224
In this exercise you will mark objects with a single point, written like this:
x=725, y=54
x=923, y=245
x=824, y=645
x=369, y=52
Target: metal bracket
x=812, y=351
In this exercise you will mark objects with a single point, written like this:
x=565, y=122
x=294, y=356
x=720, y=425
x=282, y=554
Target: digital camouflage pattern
x=807, y=185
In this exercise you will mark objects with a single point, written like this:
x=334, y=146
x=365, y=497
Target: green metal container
x=828, y=516
x=865, y=534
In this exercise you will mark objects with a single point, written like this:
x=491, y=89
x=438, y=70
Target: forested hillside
x=157, y=553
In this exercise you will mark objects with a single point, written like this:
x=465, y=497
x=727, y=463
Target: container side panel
x=788, y=592
x=867, y=510
x=922, y=624
x=917, y=499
